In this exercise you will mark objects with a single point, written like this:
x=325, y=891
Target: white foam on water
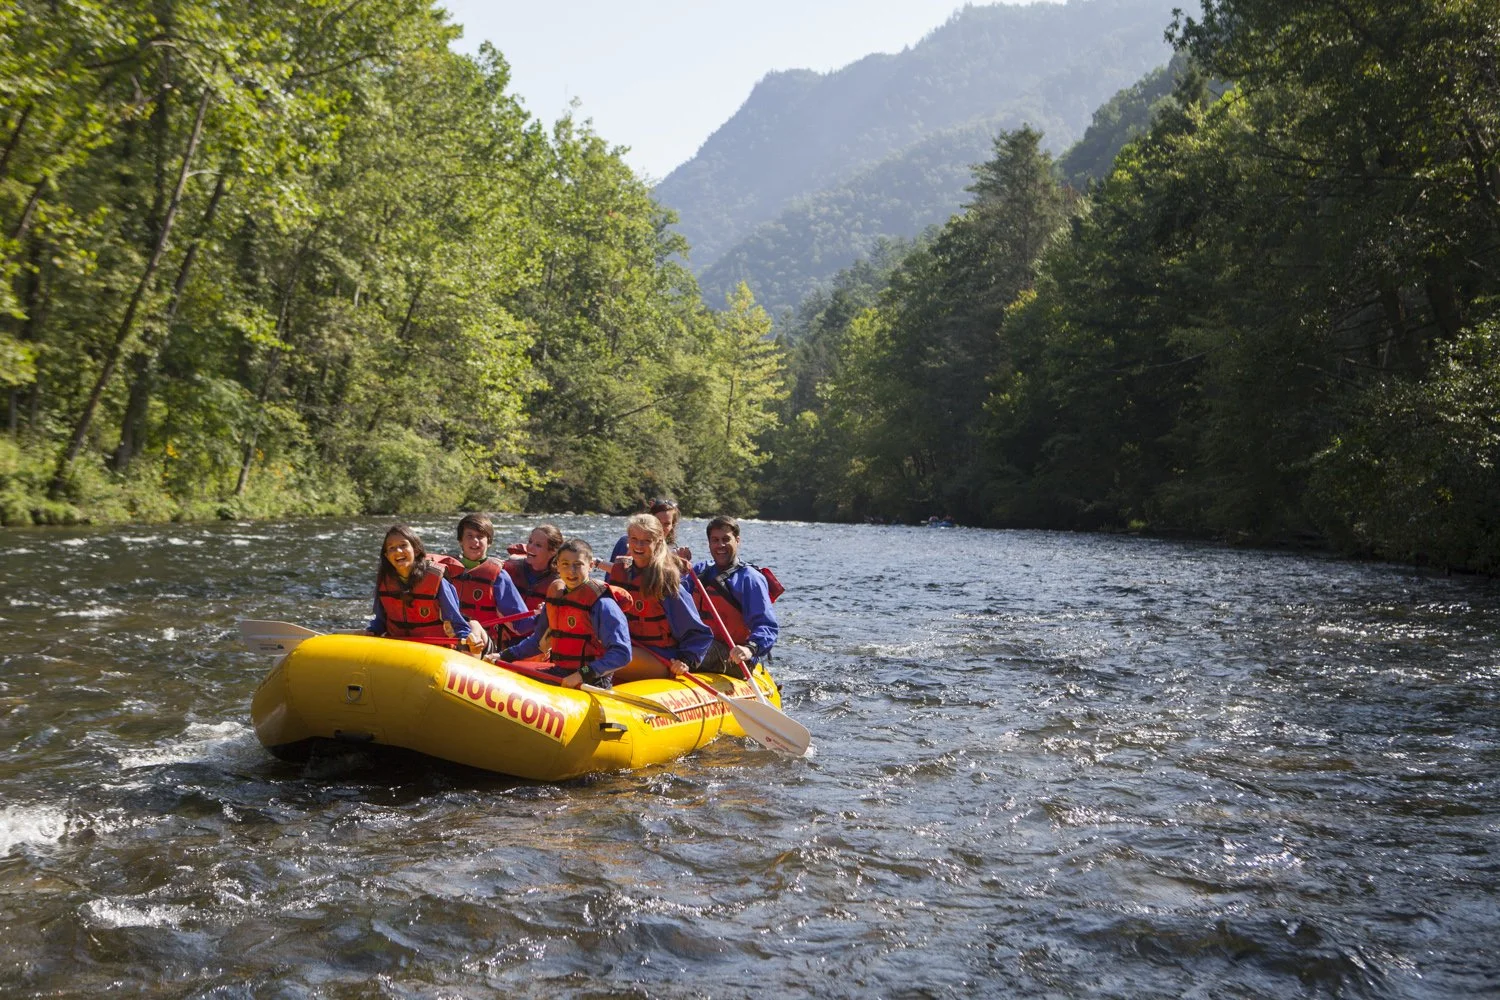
x=200, y=742
x=174, y=540
x=139, y=539
x=74, y=542
x=111, y=913
x=30, y=825
x=97, y=611
x=169, y=633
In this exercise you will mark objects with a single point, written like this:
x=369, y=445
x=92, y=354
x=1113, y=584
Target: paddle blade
x=769, y=727
x=273, y=638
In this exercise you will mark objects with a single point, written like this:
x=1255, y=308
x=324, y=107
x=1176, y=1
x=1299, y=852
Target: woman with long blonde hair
x=666, y=635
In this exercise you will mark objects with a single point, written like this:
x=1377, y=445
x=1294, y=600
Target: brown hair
x=661, y=577
x=479, y=523
x=554, y=538
x=724, y=521
x=661, y=505
x=387, y=578
x=577, y=546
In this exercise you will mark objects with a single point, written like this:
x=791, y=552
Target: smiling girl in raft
x=580, y=625
x=532, y=570
x=412, y=599
x=666, y=634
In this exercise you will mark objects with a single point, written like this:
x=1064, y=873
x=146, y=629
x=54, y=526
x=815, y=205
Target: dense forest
x=1274, y=320
x=261, y=264
x=299, y=258
x=811, y=156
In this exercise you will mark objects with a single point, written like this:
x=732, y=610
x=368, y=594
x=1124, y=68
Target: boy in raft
x=412, y=600
x=740, y=593
x=580, y=625
x=486, y=593
x=666, y=634
x=533, y=572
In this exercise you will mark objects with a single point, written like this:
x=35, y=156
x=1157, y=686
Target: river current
x=1047, y=765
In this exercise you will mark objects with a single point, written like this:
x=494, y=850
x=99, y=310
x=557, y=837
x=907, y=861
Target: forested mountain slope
x=802, y=133
x=1275, y=320
x=805, y=247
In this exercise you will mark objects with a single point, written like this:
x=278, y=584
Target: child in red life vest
x=486, y=594
x=580, y=626
x=412, y=600
x=533, y=572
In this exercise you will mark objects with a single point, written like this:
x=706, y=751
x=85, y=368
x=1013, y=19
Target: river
x=1047, y=765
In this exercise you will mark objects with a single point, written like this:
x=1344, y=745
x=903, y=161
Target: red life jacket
x=645, y=615
x=532, y=593
x=722, y=598
x=476, y=587
x=414, y=614
x=570, y=625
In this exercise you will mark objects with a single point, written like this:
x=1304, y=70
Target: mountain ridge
x=803, y=132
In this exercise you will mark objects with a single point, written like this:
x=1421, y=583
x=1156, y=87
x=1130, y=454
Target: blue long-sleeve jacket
x=508, y=601
x=610, y=628
x=447, y=599
x=692, y=636
x=752, y=593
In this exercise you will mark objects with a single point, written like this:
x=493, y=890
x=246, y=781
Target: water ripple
x=1109, y=767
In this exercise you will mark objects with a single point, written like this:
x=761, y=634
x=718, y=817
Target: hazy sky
x=660, y=75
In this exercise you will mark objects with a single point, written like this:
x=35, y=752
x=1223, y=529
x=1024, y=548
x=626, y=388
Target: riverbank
x=100, y=498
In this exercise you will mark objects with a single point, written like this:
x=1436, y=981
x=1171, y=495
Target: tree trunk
x=23, y=224
x=247, y=456
x=127, y=322
x=143, y=384
x=14, y=140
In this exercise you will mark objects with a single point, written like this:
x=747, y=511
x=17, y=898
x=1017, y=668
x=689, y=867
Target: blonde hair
x=660, y=577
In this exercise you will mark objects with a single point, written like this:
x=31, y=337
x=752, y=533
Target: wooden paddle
x=280, y=637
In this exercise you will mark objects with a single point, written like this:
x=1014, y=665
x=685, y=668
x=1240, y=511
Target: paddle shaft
x=763, y=722
x=724, y=635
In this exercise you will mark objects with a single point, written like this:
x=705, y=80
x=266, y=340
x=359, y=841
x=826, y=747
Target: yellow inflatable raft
x=451, y=705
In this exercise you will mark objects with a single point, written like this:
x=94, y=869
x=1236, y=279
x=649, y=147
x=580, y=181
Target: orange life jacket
x=475, y=587
x=723, y=600
x=570, y=624
x=645, y=615
x=413, y=613
x=532, y=593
